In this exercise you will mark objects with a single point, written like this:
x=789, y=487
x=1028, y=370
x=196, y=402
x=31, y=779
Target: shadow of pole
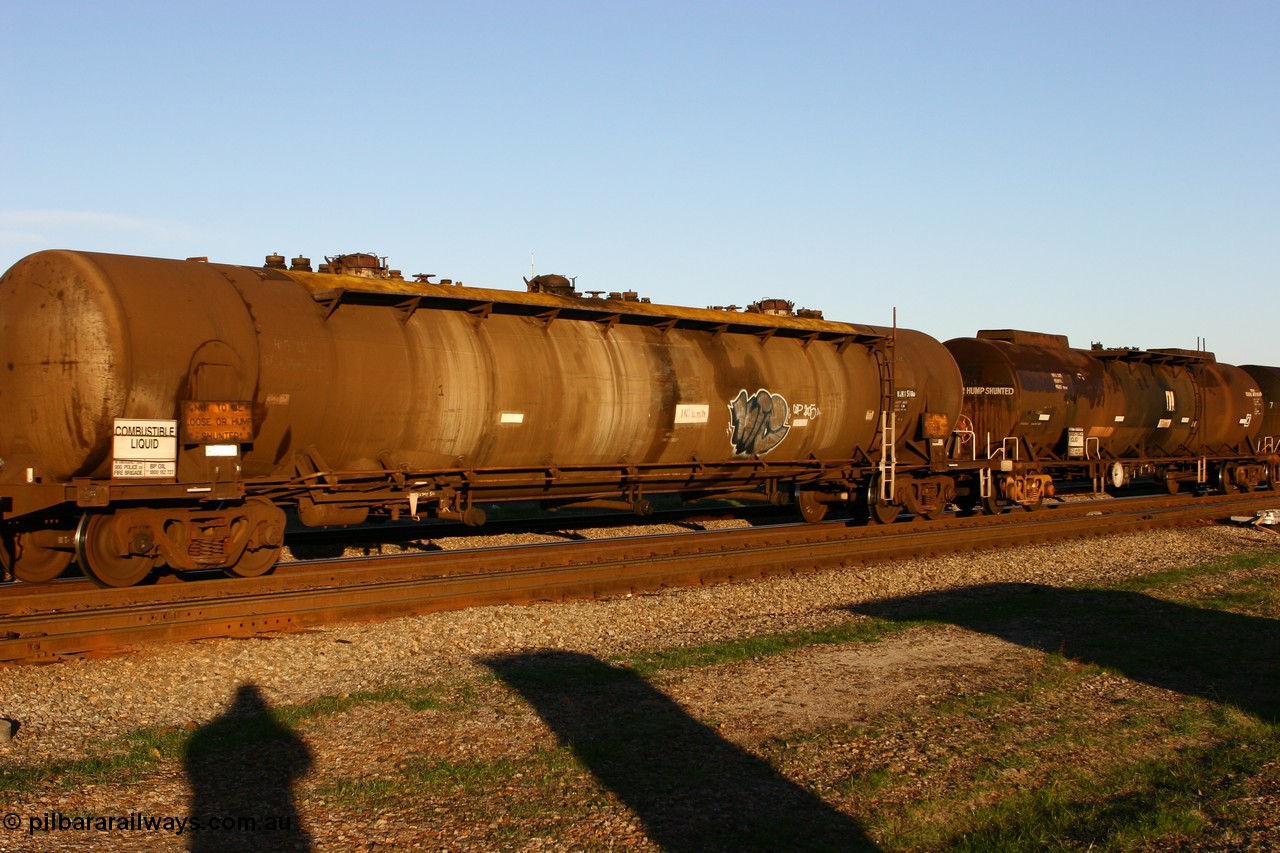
x=693, y=790
x=1224, y=657
x=242, y=766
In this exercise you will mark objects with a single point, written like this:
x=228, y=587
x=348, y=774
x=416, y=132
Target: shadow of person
x=242, y=766
x=693, y=790
x=1217, y=655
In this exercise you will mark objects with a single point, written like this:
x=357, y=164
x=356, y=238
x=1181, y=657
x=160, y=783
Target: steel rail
x=41, y=625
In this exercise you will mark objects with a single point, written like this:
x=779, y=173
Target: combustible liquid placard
x=144, y=448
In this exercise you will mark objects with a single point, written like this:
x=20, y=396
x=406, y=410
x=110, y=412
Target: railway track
x=47, y=622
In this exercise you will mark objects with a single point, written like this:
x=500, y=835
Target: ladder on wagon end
x=885, y=353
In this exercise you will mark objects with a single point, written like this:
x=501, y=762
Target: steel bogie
x=925, y=497
x=184, y=538
x=122, y=546
x=1027, y=489
x=1244, y=476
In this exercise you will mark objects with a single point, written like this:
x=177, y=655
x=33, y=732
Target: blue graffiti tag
x=759, y=422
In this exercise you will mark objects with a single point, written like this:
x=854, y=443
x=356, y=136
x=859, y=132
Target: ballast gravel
x=67, y=710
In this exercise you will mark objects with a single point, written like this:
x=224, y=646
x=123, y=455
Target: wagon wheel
x=270, y=541
x=812, y=509
x=966, y=499
x=254, y=563
x=881, y=512
x=994, y=504
x=1171, y=484
x=101, y=556
x=1226, y=477
x=34, y=563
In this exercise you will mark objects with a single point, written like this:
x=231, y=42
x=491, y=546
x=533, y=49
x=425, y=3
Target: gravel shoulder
x=69, y=710
x=63, y=709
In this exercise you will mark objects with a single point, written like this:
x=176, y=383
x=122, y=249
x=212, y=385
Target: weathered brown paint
x=107, y=336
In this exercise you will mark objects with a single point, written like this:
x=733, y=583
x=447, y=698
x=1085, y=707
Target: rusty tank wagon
x=177, y=413
x=162, y=412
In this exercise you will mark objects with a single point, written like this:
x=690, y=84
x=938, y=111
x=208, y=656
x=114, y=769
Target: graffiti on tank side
x=757, y=422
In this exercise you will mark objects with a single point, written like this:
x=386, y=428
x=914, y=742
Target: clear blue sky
x=1106, y=170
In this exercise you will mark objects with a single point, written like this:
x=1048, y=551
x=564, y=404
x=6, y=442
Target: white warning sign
x=692, y=413
x=144, y=448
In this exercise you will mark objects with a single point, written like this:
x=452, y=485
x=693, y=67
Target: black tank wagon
x=1046, y=411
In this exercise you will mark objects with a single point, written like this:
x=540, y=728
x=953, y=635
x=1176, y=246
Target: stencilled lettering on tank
x=1255, y=396
x=291, y=356
x=802, y=414
x=809, y=411
x=692, y=413
x=988, y=391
